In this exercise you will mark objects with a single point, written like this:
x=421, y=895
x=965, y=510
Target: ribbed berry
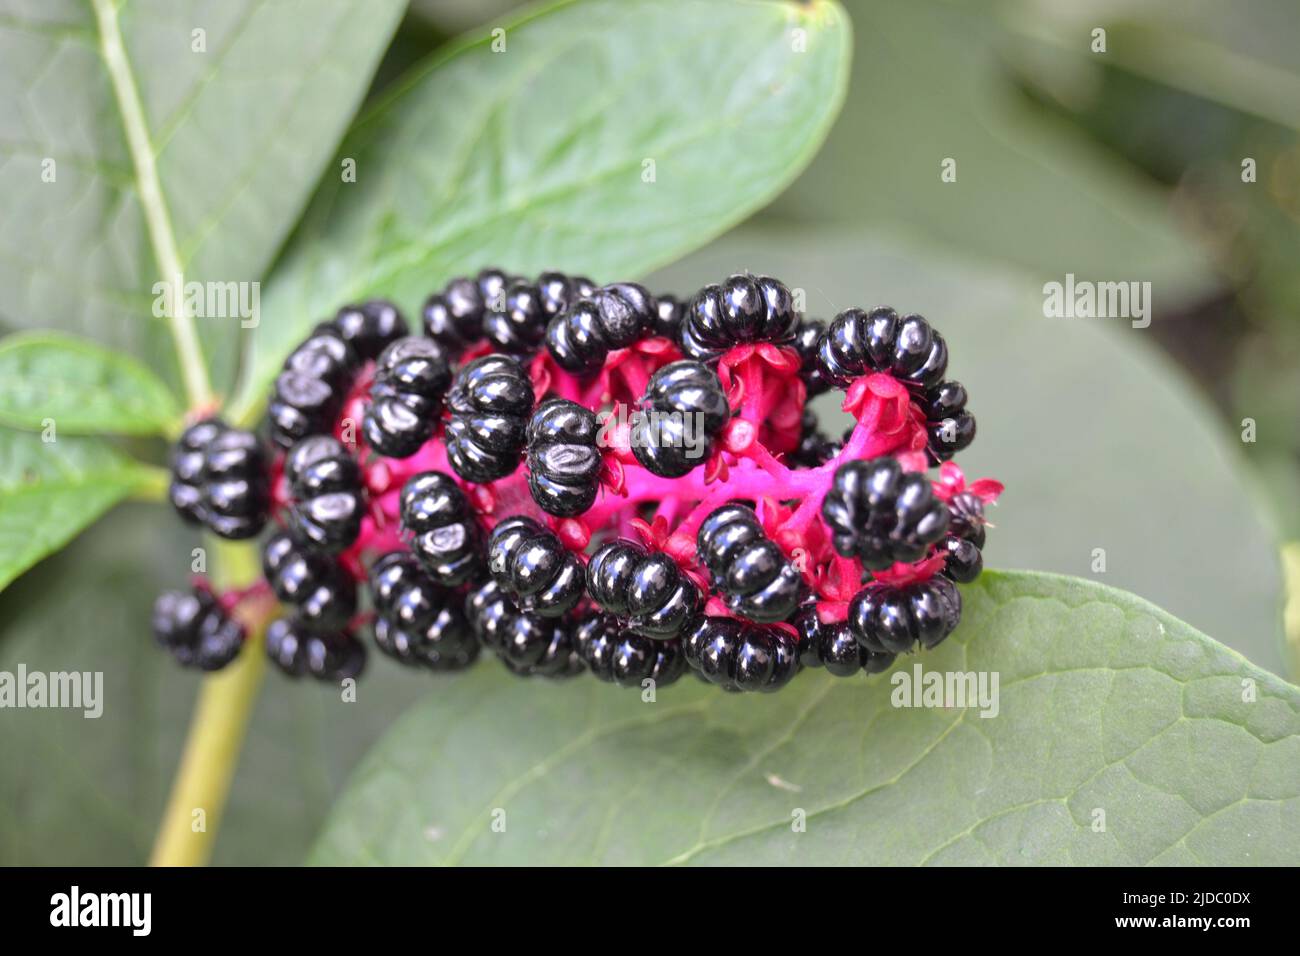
x=834, y=647
x=417, y=621
x=520, y=327
x=220, y=479
x=563, y=460
x=327, y=499
x=534, y=567
x=186, y=490
x=611, y=317
x=645, y=589
x=323, y=595
x=411, y=378
x=963, y=561
x=327, y=656
x=368, y=328
x=682, y=410
x=668, y=316
x=308, y=393
x=947, y=423
x=741, y=657
x=807, y=340
x=880, y=514
x=196, y=629
x=968, y=519
x=446, y=538
x=528, y=644
x=490, y=403
x=889, y=619
x=454, y=317
x=748, y=568
x=857, y=343
x=613, y=653
x=743, y=309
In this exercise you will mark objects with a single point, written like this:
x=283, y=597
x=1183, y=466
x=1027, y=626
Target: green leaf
x=83, y=387
x=240, y=106
x=1105, y=703
x=51, y=490
x=538, y=157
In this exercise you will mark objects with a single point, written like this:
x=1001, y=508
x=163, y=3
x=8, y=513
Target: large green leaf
x=233, y=138
x=536, y=157
x=83, y=387
x=1120, y=735
x=50, y=490
x=1100, y=442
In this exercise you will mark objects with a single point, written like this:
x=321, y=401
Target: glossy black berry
x=748, y=568
x=520, y=327
x=879, y=513
x=186, y=490
x=668, y=317
x=963, y=561
x=857, y=343
x=743, y=309
x=889, y=619
x=309, y=392
x=646, y=589
x=323, y=595
x=949, y=427
x=563, y=460
x=368, y=328
x=807, y=340
x=220, y=478
x=528, y=644
x=613, y=653
x=196, y=629
x=454, y=317
x=968, y=519
x=417, y=621
x=611, y=317
x=446, y=538
x=490, y=403
x=327, y=501
x=411, y=378
x=681, y=412
x=534, y=567
x=834, y=646
x=325, y=655
x=741, y=657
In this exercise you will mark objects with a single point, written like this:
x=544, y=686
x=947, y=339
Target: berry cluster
x=592, y=478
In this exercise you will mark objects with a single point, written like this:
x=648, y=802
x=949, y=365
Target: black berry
x=323, y=595
x=880, y=514
x=411, y=378
x=187, y=469
x=743, y=309
x=327, y=499
x=534, y=567
x=220, y=479
x=948, y=425
x=611, y=317
x=615, y=654
x=327, y=656
x=520, y=326
x=807, y=339
x=647, y=590
x=741, y=657
x=748, y=568
x=563, y=460
x=889, y=619
x=196, y=629
x=417, y=621
x=963, y=561
x=968, y=519
x=682, y=410
x=857, y=343
x=446, y=536
x=834, y=647
x=528, y=644
x=368, y=328
x=454, y=317
x=310, y=390
x=490, y=402
x=668, y=317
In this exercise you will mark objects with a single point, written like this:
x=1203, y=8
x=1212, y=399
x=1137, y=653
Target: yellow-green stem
x=217, y=729
x=1291, y=612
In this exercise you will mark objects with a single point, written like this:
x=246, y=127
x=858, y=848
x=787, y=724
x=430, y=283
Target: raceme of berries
x=742, y=310
x=411, y=378
x=748, y=568
x=327, y=498
x=563, y=460
x=196, y=629
x=220, y=479
x=682, y=410
x=611, y=317
x=490, y=402
x=534, y=568
x=542, y=475
x=418, y=621
x=644, y=589
x=445, y=535
x=614, y=654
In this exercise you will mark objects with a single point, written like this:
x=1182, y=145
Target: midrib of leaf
x=161, y=236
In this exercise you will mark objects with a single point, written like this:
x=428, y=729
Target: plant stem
x=1291, y=611
x=216, y=731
